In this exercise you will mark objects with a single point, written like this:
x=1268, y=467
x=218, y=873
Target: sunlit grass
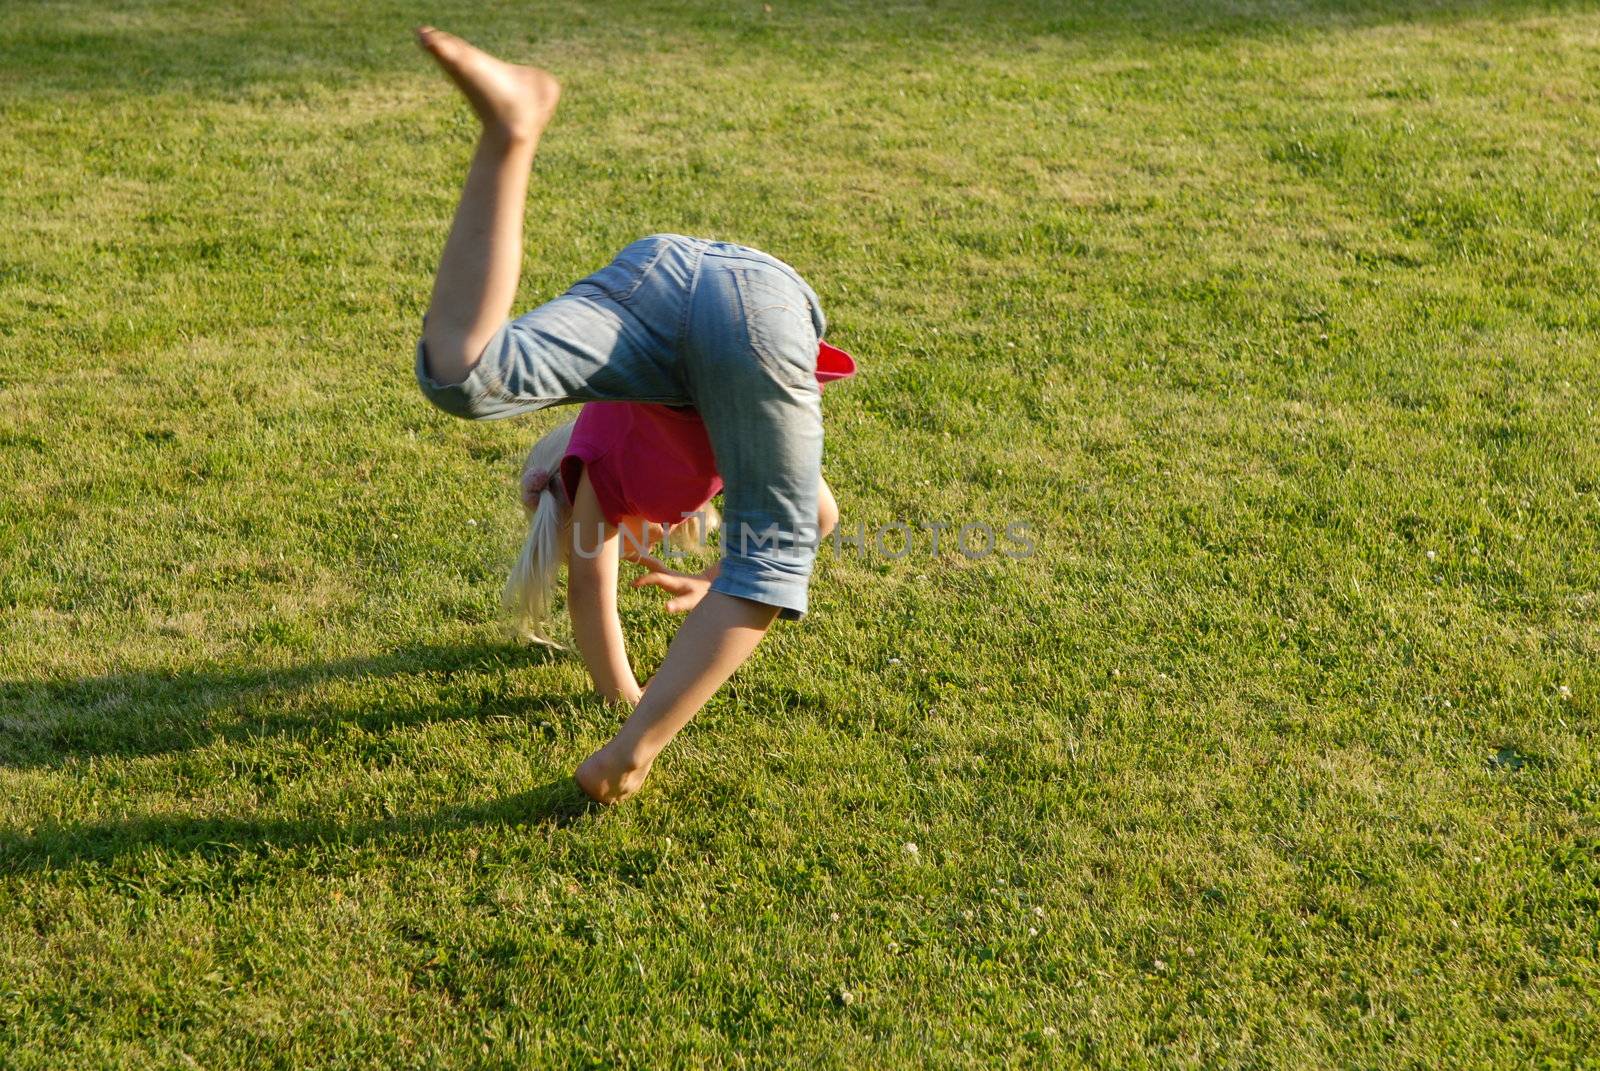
x=1277, y=323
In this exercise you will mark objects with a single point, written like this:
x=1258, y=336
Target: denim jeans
x=687, y=321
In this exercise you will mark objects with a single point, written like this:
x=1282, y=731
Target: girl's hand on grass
x=685, y=589
x=626, y=696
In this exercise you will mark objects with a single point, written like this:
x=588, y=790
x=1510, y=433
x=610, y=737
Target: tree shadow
x=59, y=46
x=140, y=713
x=221, y=840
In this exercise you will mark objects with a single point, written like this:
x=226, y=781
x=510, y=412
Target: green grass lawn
x=1279, y=322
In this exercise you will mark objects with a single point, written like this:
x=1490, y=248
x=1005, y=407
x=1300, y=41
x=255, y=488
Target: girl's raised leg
x=482, y=259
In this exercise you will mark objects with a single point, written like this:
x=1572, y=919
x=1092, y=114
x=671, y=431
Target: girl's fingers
x=672, y=583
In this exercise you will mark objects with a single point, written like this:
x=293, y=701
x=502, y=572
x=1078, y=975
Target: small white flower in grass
x=1160, y=964
x=1033, y=931
x=1000, y=881
x=1447, y=704
x=1564, y=692
x=1038, y=912
x=834, y=915
x=846, y=997
x=471, y=523
x=1049, y=1031
x=894, y=661
x=910, y=848
x=1431, y=556
x=967, y=914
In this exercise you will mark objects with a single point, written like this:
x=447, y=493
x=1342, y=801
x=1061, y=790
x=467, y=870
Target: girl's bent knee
x=471, y=399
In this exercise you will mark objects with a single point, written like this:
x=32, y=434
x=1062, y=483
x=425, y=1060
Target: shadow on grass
x=51, y=722
x=220, y=840
x=54, y=46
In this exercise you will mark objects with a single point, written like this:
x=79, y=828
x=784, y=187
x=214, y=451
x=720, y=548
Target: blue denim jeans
x=687, y=321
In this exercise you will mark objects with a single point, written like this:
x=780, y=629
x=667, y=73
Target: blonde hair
x=689, y=536
x=532, y=581
x=533, y=578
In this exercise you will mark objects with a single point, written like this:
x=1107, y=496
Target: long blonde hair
x=533, y=578
x=532, y=581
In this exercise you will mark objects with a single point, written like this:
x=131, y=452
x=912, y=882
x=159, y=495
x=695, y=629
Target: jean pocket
x=778, y=322
x=623, y=276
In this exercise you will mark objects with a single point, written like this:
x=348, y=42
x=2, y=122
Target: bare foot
x=606, y=779
x=516, y=102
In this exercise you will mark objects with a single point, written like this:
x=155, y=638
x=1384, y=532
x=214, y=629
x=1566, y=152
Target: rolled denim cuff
x=469, y=399
x=765, y=582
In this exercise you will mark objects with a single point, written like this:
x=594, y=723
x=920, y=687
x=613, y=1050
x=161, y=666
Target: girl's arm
x=592, y=598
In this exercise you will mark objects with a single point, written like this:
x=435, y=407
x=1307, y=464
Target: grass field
x=1279, y=322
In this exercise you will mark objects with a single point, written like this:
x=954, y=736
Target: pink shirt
x=655, y=461
x=649, y=461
